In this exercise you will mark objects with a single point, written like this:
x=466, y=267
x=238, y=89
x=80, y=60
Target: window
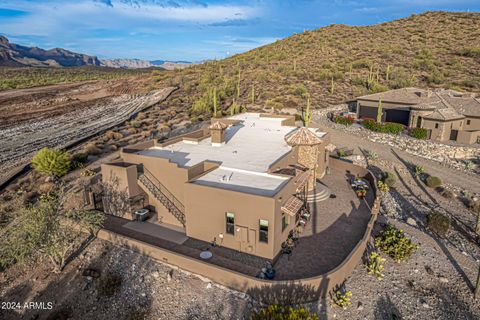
x=436, y=125
x=263, y=231
x=230, y=223
x=468, y=122
x=285, y=221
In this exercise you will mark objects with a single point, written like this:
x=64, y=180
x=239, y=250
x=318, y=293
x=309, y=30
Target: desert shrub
x=377, y=87
x=347, y=120
x=342, y=299
x=382, y=186
x=446, y=193
x=136, y=124
x=436, y=77
x=46, y=187
x=271, y=103
x=371, y=154
x=277, y=312
x=109, y=284
x=300, y=90
x=473, y=52
x=469, y=165
x=388, y=127
x=79, y=158
x=393, y=242
x=92, y=149
x=418, y=170
x=433, y=182
x=341, y=153
x=114, y=135
x=389, y=179
x=438, y=223
x=361, y=63
x=51, y=162
x=419, y=133
x=132, y=130
x=374, y=265
x=401, y=78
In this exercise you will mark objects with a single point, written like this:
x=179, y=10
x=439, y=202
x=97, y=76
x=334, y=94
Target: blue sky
x=190, y=29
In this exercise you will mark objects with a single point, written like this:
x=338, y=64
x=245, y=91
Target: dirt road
x=448, y=175
x=58, y=116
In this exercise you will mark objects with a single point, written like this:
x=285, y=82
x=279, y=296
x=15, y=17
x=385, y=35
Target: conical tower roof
x=218, y=125
x=302, y=137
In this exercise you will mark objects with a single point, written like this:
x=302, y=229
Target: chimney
x=217, y=132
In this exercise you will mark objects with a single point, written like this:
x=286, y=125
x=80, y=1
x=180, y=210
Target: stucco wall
x=468, y=137
x=206, y=209
x=124, y=175
x=473, y=125
x=442, y=133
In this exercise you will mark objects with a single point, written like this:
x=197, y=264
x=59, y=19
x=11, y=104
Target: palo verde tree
x=51, y=162
x=46, y=228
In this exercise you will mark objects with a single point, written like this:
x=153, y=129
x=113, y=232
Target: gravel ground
x=148, y=290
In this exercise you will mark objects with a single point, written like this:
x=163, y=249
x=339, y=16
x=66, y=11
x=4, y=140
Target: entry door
x=453, y=135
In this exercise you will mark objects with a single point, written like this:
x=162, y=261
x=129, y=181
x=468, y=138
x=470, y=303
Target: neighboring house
x=240, y=183
x=447, y=115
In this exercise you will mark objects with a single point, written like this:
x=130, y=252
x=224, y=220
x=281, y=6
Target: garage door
x=398, y=116
x=367, y=112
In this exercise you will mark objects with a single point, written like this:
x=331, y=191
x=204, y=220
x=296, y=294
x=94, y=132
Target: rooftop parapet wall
x=196, y=135
x=289, y=120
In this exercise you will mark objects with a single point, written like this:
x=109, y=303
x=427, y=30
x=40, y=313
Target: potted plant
x=361, y=193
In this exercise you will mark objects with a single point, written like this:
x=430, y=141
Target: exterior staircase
x=320, y=193
x=162, y=194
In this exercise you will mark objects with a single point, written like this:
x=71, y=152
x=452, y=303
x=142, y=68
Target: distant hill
x=126, y=63
x=336, y=63
x=14, y=55
x=138, y=64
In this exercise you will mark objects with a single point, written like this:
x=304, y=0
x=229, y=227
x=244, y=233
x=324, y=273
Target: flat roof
x=251, y=147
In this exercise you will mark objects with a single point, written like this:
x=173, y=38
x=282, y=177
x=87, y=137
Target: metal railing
x=172, y=200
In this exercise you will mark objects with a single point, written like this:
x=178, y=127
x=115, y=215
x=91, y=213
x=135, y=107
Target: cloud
x=234, y=23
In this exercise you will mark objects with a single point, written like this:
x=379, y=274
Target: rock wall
x=450, y=155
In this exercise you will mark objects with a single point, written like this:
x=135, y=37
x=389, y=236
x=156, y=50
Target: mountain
x=337, y=63
x=14, y=55
x=126, y=63
x=138, y=64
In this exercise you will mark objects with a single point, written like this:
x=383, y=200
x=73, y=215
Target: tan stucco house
x=447, y=115
x=240, y=182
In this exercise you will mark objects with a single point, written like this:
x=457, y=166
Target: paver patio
x=335, y=228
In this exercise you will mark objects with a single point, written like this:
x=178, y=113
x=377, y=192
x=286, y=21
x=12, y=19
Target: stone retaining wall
x=450, y=155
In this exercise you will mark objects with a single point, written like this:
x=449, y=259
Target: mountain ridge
x=15, y=55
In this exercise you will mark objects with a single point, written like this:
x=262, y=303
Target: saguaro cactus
x=214, y=101
x=379, y=111
x=387, y=73
x=253, y=92
x=308, y=115
x=238, y=81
